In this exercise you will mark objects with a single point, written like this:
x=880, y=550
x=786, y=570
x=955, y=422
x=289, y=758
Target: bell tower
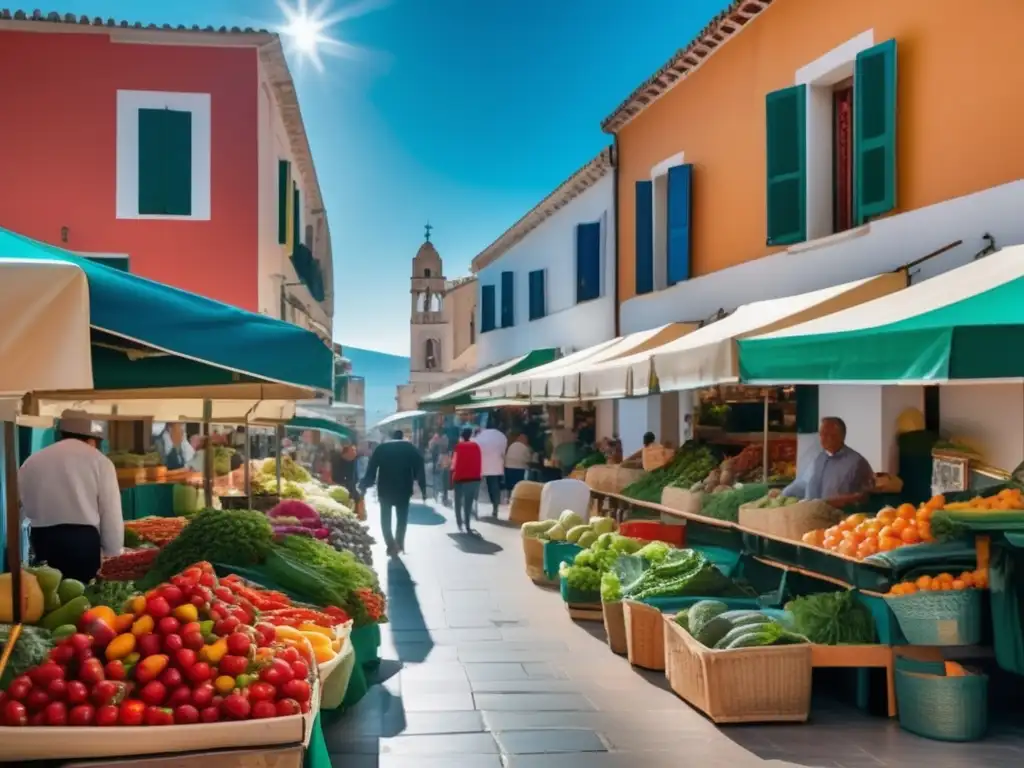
x=427, y=316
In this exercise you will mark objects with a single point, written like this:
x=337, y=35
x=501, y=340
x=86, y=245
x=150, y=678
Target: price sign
x=949, y=474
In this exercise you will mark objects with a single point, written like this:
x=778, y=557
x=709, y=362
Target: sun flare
x=307, y=31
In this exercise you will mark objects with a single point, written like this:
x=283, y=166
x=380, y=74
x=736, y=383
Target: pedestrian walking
x=517, y=461
x=70, y=497
x=493, y=444
x=440, y=463
x=467, y=461
x=343, y=465
x=394, y=468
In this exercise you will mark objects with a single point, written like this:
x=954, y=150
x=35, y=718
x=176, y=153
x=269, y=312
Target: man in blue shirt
x=840, y=476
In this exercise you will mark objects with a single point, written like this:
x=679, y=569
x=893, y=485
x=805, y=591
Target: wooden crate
x=645, y=635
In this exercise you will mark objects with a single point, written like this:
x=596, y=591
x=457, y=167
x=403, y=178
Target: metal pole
x=207, y=454
x=13, y=516
x=765, y=456
x=248, y=467
x=279, y=434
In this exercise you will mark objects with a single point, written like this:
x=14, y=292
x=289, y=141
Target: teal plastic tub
x=557, y=552
x=578, y=596
x=938, y=707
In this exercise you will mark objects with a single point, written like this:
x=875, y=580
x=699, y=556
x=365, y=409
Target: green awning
x=161, y=327
x=461, y=392
x=322, y=425
x=964, y=325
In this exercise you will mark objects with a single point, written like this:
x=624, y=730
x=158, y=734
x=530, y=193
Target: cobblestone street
x=483, y=669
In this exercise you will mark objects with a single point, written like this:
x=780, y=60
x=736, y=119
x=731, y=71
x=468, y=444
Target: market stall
x=461, y=392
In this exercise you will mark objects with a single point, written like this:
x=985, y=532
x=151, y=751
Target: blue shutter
x=486, y=308
x=680, y=179
x=786, y=150
x=644, y=237
x=537, y=295
x=874, y=131
x=508, y=314
x=588, y=261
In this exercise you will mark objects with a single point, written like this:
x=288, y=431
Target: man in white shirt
x=517, y=462
x=70, y=497
x=492, y=448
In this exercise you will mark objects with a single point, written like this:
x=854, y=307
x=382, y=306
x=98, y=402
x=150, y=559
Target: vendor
x=71, y=499
x=840, y=476
x=174, y=448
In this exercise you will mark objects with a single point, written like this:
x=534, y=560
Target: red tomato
x=277, y=673
x=267, y=633
x=36, y=700
x=225, y=594
x=77, y=693
x=102, y=635
x=296, y=689
x=289, y=654
x=157, y=607
x=304, y=707
x=192, y=626
x=159, y=716
x=186, y=714
x=15, y=714
x=199, y=672
x=225, y=626
x=153, y=693
x=208, y=580
x=193, y=640
x=180, y=695
x=233, y=665
x=173, y=643
x=107, y=715
x=80, y=641
x=56, y=713
x=115, y=670
x=132, y=712
x=263, y=709
x=286, y=707
x=171, y=677
x=57, y=690
x=149, y=645
x=301, y=670
x=185, y=658
x=202, y=695
x=82, y=715
x=173, y=595
x=199, y=602
x=239, y=644
x=210, y=714
x=91, y=672
x=19, y=688
x=262, y=692
x=168, y=625
x=63, y=653
x=45, y=672
x=104, y=692
x=236, y=707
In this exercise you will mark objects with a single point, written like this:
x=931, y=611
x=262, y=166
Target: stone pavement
x=483, y=669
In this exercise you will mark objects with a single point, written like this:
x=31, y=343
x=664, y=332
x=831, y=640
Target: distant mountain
x=384, y=373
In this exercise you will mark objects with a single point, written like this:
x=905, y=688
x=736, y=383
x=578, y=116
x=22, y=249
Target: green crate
x=366, y=644
x=578, y=596
x=556, y=553
x=938, y=707
x=939, y=618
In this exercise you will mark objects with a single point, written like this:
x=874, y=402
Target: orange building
x=178, y=154
x=795, y=144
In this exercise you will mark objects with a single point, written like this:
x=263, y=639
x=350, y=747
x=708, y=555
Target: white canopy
x=708, y=356
x=44, y=339
x=400, y=416
x=525, y=384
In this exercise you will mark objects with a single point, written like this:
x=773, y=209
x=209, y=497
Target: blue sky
x=463, y=112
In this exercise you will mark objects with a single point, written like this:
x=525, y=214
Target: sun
x=306, y=31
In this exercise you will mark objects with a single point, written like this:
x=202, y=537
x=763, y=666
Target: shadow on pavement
x=499, y=522
x=475, y=545
x=405, y=614
x=421, y=514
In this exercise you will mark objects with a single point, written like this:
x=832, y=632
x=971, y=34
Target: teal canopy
x=211, y=342
x=323, y=425
x=461, y=392
x=962, y=325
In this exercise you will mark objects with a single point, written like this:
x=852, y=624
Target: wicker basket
x=943, y=708
x=615, y=626
x=533, y=553
x=129, y=476
x=645, y=635
x=949, y=617
x=744, y=685
x=524, y=505
x=790, y=522
x=682, y=499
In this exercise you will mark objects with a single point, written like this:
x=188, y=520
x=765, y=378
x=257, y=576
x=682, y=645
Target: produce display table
x=283, y=757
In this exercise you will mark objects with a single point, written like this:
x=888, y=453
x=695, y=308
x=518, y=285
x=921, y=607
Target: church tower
x=427, y=330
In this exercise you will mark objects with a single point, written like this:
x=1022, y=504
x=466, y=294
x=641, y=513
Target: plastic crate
x=651, y=530
x=577, y=596
x=557, y=552
x=938, y=707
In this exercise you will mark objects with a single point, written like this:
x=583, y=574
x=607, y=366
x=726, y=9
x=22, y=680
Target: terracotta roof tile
x=52, y=17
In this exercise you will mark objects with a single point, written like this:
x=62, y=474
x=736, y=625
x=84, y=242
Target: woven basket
x=524, y=505
x=645, y=635
x=533, y=553
x=790, y=522
x=615, y=626
x=949, y=617
x=743, y=685
x=682, y=499
x=943, y=708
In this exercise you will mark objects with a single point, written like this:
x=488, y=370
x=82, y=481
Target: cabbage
x=569, y=519
x=654, y=551
x=601, y=525
x=297, y=509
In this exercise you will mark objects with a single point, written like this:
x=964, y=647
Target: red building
x=176, y=153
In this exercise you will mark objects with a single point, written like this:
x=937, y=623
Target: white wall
x=990, y=417
x=881, y=246
x=552, y=247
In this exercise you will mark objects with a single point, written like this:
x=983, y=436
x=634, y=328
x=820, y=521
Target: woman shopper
x=467, y=463
x=517, y=461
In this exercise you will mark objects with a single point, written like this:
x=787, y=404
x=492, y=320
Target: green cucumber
x=69, y=589
x=64, y=630
x=69, y=613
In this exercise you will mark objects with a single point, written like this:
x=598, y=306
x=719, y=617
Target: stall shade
x=526, y=384
x=962, y=325
x=708, y=356
x=397, y=417
x=461, y=392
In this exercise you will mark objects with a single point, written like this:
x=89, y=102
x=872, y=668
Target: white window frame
x=128, y=105
x=820, y=76
x=659, y=217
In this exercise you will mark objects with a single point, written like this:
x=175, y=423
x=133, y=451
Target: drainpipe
x=615, y=220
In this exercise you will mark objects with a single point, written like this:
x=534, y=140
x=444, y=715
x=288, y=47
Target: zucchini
x=69, y=613
x=739, y=633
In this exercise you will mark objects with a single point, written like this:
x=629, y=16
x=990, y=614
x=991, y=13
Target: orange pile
x=943, y=582
x=861, y=536
x=1006, y=500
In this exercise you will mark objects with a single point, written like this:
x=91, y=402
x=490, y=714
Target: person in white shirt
x=71, y=499
x=492, y=448
x=517, y=461
x=174, y=448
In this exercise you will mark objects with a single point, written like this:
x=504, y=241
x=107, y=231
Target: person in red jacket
x=467, y=466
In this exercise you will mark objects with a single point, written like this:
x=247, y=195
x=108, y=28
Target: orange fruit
x=924, y=582
x=885, y=532
x=906, y=511
x=967, y=577
x=924, y=530
x=888, y=543
x=936, y=502
x=867, y=548
x=910, y=536
x=958, y=584
x=898, y=525
x=856, y=519
x=848, y=547
x=845, y=526
x=830, y=542
x=924, y=514
x=886, y=516
x=909, y=588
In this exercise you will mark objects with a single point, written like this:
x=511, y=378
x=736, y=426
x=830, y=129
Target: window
x=119, y=263
x=677, y=247
x=538, y=299
x=588, y=261
x=508, y=314
x=432, y=354
x=831, y=143
x=644, y=231
x=426, y=272
x=163, y=155
x=296, y=215
x=284, y=202
x=486, y=308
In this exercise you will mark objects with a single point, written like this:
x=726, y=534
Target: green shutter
x=874, y=131
x=296, y=216
x=786, y=154
x=806, y=409
x=284, y=179
x=165, y=162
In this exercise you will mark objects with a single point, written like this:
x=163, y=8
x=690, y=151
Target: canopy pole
x=765, y=444
x=207, y=454
x=248, y=466
x=13, y=516
x=279, y=435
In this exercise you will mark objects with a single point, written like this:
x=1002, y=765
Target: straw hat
x=77, y=423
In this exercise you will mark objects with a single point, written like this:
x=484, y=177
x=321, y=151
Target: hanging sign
x=950, y=473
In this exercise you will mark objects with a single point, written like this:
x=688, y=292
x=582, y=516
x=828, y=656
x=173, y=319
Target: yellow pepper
x=186, y=613
x=143, y=625
x=213, y=653
x=309, y=627
x=120, y=646
x=224, y=685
